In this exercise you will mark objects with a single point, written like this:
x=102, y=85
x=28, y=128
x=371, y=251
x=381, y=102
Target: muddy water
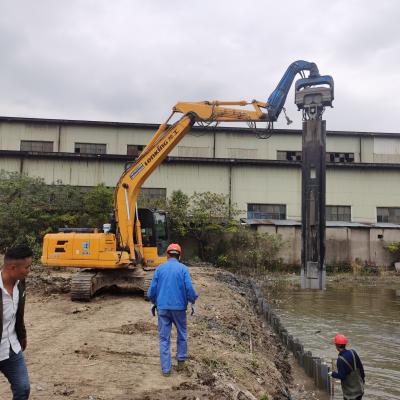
x=368, y=312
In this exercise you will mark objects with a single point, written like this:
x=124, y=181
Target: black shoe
x=166, y=373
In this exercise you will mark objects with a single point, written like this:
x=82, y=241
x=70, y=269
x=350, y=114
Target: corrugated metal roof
x=346, y=224
x=242, y=130
x=329, y=224
x=193, y=160
x=385, y=225
x=273, y=222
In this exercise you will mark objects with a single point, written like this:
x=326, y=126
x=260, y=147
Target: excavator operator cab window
x=161, y=229
x=154, y=229
x=147, y=237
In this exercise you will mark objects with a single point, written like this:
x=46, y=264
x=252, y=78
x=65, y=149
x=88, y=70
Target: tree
x=200, y=216
x=211, y=220
x=151, y=202
x=98, y=205
x=177, y=208
x=210, y=214
x=253, y=253
x=29, y=208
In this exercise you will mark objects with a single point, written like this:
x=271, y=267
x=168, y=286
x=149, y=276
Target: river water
x=367, y=311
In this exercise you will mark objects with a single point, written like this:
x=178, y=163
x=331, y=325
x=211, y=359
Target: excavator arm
x=168, y=136
x=277, y=99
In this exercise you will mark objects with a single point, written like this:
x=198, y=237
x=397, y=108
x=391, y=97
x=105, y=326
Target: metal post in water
x=313, y=100
x=332, y=381
x=313, y=205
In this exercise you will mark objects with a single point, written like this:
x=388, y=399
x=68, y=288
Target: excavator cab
x=155, y=238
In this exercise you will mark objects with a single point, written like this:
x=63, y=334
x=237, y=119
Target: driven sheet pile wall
x=315, y=367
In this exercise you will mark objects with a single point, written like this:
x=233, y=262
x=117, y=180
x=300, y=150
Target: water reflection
x=367, y=312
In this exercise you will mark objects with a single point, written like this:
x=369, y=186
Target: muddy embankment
x=108, y=348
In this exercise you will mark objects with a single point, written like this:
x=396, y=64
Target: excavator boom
x=130, y=183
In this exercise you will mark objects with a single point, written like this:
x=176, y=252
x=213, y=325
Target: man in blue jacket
x=350, y=370
x=170, y=291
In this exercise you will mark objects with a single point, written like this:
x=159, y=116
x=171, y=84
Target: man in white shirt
x=17, y=263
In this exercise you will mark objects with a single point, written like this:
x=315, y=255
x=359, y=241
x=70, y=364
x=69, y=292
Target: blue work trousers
x=165, y=320
x=14, y=369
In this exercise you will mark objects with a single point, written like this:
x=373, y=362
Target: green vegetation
x=338, y=268
x=356, y=268
x=151, y=202
x=29, y=208
x=178, y=210
x=97, y=206
x=201, y=216
x=212, y=363
x=393, y=248
x=248, y=252
x=211, y=220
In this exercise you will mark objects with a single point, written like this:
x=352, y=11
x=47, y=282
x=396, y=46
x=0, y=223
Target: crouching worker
x=350, y=370
x=17, y=263
x=170, y=290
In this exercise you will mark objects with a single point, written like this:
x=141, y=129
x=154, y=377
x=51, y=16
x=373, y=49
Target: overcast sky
x=131, y=60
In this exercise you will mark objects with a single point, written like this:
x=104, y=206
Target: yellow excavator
x=126, y=253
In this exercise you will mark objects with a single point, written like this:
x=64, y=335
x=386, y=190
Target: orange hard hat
x=340, y=339
x=174, y=248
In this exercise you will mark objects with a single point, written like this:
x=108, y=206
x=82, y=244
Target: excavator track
x=86, y=283
x=146, y=284
x=83, y=285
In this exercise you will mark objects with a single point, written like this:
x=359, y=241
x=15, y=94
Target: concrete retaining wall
x=343, y=244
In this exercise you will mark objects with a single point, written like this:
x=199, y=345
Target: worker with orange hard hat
x=170, y=291
x=174, y=248
x=350, y=370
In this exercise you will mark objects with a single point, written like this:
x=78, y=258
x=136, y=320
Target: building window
x=340, y=157
x=90, y=148
x=266, y=211
x=36, y=145
x=338, y=213
x=134, y=149
x=289, y=155
x=330, y=157
x=388, y=214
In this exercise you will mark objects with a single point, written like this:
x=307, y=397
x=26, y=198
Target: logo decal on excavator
x=85, y=248
x=155, y=152
x=154, y=155
x=136, y=171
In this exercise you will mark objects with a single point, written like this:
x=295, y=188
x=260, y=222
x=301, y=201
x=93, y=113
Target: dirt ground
x=108, y=348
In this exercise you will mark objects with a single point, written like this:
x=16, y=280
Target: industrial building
x=261, y=176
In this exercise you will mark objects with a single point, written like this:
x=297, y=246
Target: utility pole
x=312, y=101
